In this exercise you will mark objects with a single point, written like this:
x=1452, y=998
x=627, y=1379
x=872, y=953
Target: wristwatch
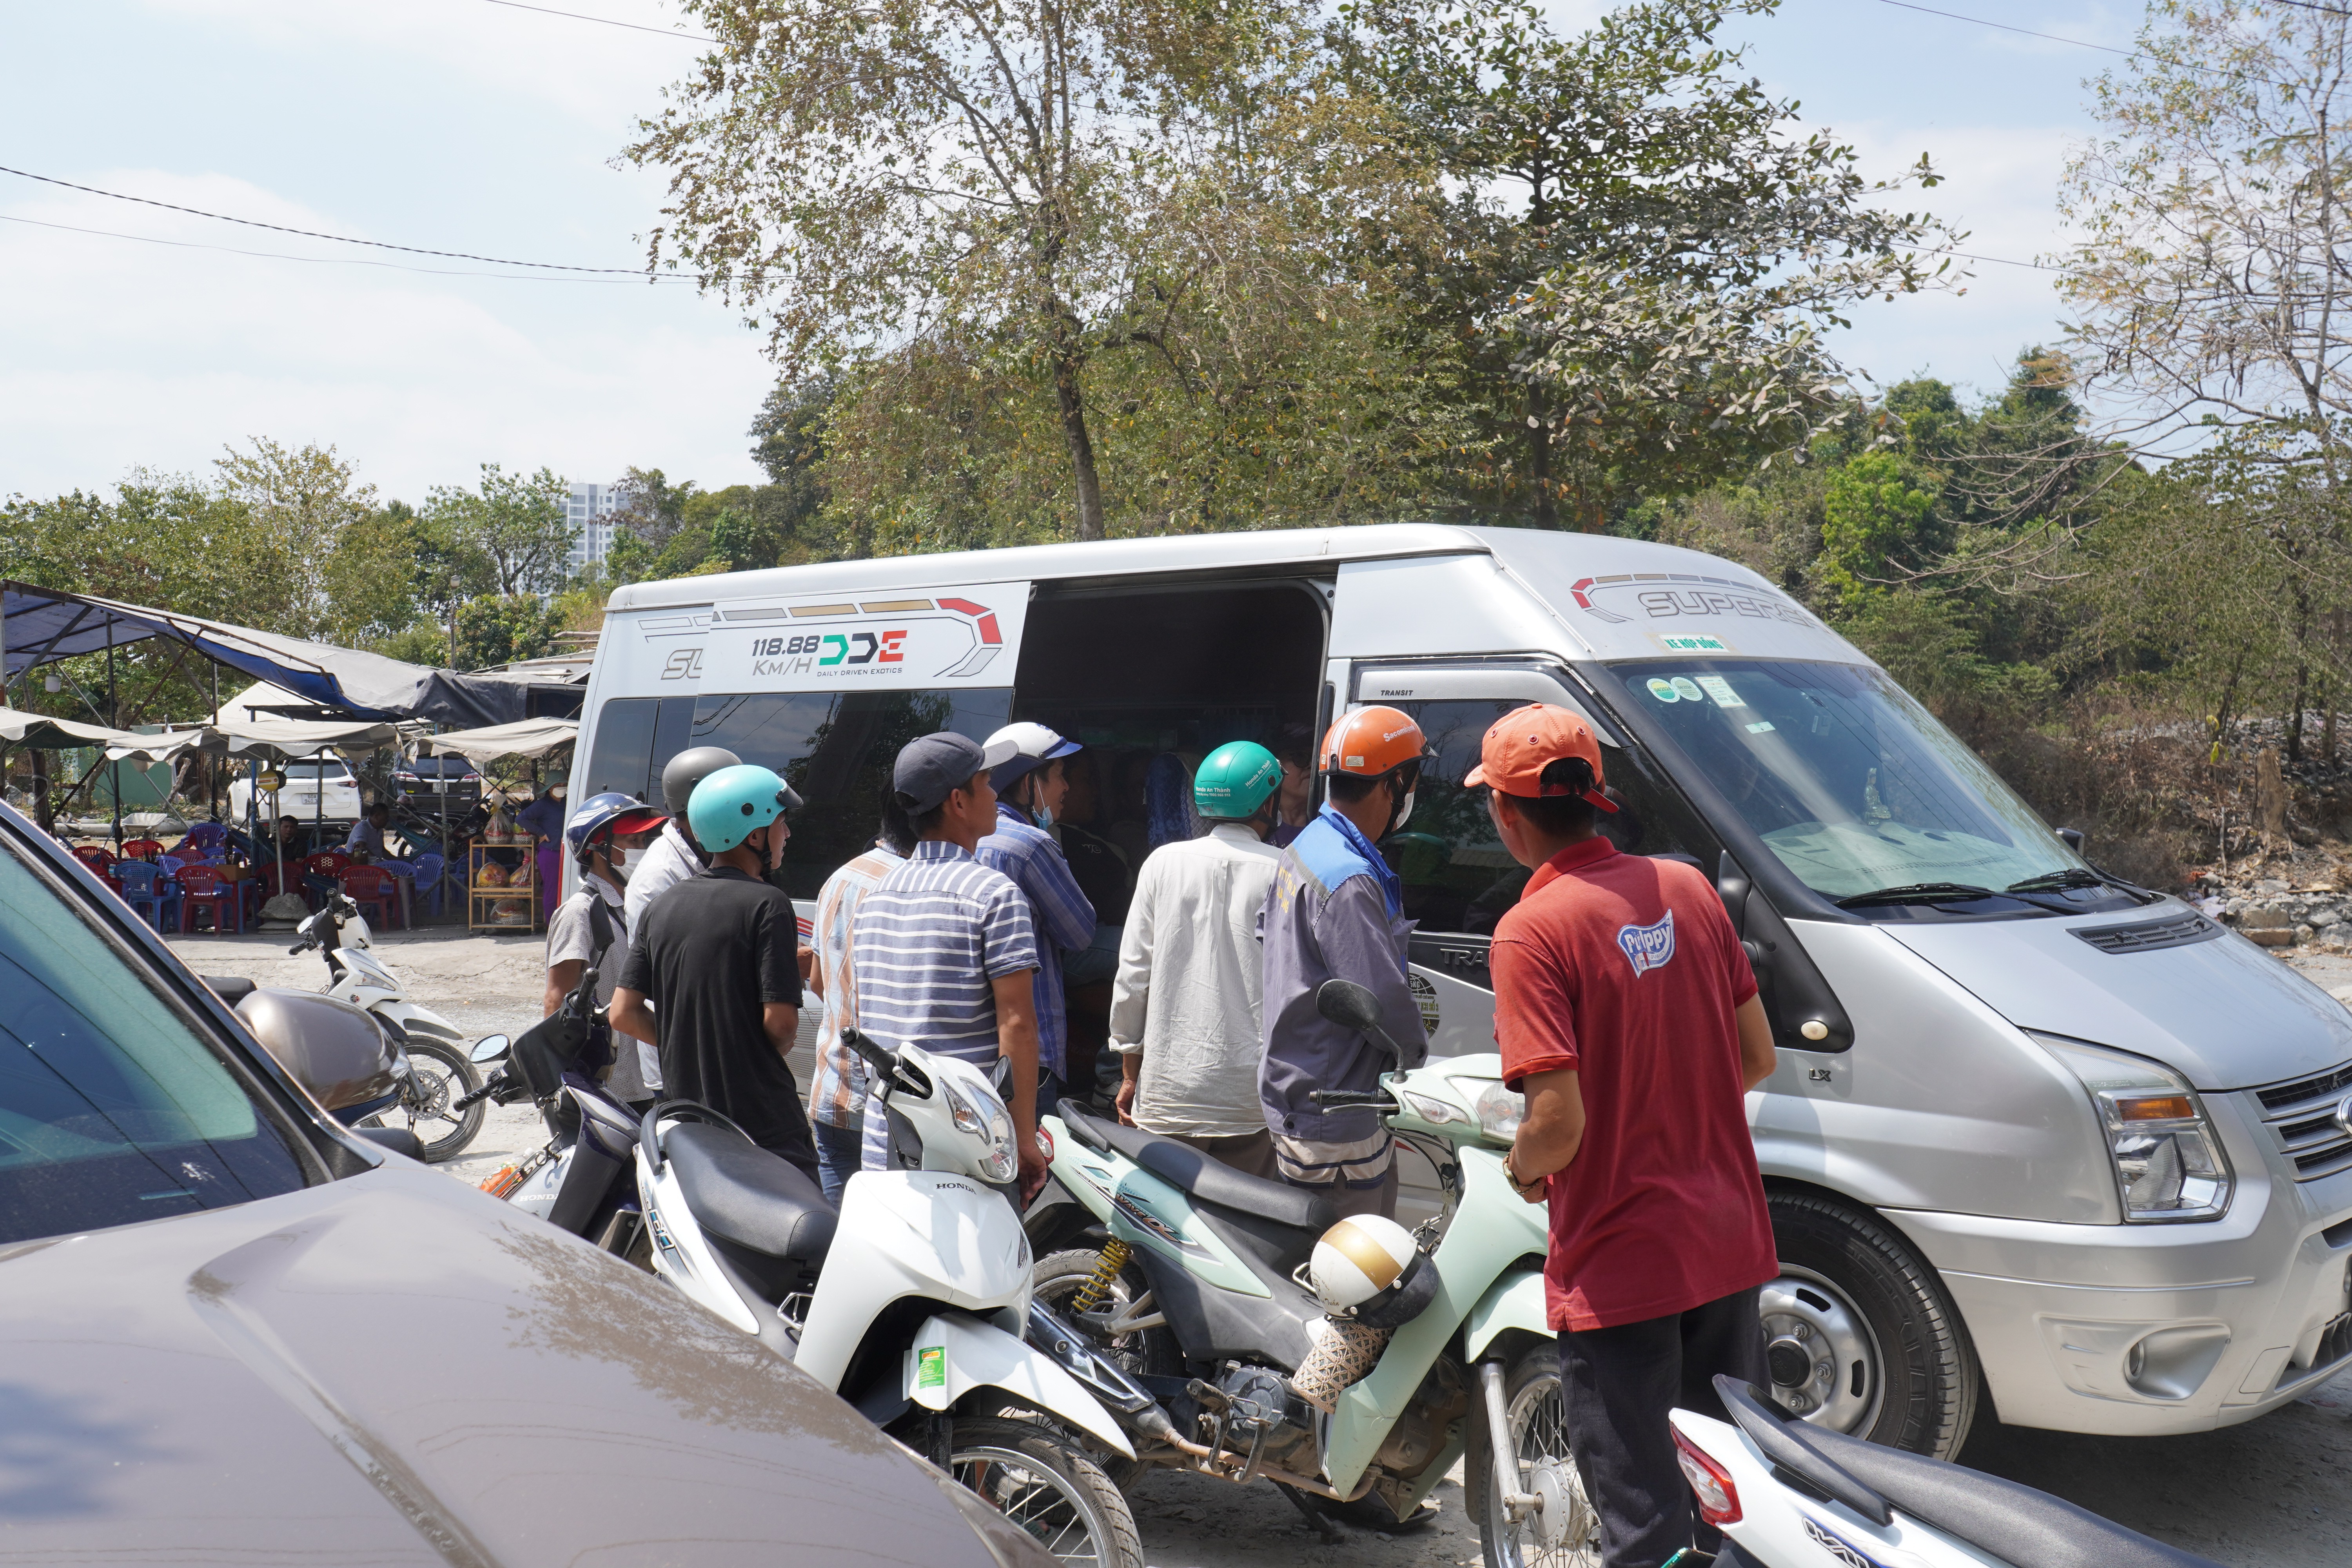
x=1512, y=1176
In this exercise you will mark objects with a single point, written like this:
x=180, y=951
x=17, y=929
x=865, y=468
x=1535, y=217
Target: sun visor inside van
x=948, y=636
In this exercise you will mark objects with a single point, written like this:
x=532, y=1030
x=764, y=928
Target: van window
x=1850, y=783
x=1457, y=876
x=623, y=757
x=112, y=1109
x=836, y=751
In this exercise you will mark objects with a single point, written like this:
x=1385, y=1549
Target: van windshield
x=1847, y=779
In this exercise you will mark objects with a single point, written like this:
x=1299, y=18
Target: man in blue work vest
x=1336, y=911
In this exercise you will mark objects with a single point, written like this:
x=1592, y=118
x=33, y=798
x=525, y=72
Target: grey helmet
x=689, y=768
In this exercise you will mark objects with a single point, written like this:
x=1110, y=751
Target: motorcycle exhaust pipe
x=1505, y=1457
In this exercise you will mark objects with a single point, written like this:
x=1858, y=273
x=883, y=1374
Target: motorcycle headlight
x=2168, y=1159
x=1436, y=1112
x=982, y=1115
x=1499, y=1109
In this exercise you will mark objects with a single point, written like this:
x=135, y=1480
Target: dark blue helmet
x=609, y=813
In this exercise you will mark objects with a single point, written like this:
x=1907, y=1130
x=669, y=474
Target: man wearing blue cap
x=1030, y=787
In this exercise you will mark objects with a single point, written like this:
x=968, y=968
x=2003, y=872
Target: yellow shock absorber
x=1090, y=1295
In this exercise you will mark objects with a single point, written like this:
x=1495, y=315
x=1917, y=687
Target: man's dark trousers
x=1616, y=1385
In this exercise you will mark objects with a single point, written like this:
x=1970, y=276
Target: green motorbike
x=1207, y=1287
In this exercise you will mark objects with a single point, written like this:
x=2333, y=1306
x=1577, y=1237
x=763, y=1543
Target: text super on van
x=2035, y=1135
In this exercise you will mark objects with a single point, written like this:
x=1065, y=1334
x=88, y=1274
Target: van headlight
x=2168, y=1159
x=984, y=1116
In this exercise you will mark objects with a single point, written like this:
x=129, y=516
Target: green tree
x=1873, y=518
x=512, y=531
x=298, y=503
x=1036, y=195
x=1642, y=251
x=504, y=628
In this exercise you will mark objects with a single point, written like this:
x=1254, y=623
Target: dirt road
x=2274, y=1493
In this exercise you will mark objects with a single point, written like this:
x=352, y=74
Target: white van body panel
x=1945, y=1117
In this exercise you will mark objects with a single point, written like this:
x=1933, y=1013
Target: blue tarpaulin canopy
x=38, y=626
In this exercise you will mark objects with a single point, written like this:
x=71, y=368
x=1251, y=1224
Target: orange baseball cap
x=1523, y=742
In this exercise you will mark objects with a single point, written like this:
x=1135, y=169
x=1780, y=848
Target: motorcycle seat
x=2021, y=1526
x=1204, y=1176
x=741, y=1193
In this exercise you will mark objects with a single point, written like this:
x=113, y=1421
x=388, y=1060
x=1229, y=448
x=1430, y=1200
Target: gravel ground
x=2272, y=1493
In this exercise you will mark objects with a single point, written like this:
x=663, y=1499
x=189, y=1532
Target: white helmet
x=1034, y=745
x=1357, y=1260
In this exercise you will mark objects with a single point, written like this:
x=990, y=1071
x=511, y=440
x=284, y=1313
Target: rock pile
x=2274, y=913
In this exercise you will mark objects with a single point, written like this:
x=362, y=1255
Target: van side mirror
x=1348, y=1005
x=489, y=1049
x=2072, y=837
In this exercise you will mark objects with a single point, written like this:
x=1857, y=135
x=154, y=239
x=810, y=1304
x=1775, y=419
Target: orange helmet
x=1370, y=741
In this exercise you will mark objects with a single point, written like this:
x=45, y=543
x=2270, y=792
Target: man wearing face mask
x=1029, y=789
x=590, y=927
x=1337, y=911
x=716, y=959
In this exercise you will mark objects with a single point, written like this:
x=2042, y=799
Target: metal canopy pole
x=113, y=713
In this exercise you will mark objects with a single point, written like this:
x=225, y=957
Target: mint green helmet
x=1235, y=780
x=732, y=803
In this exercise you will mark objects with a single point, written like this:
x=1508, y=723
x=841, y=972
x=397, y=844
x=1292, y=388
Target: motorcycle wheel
x=443, y=1077
x=1046, y=1487
x=1538, y=1423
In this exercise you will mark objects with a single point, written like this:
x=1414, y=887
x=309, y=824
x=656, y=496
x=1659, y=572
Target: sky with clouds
x=463, y=125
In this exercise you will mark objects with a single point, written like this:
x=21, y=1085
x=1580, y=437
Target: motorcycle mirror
x=1345, y=1003
x=489, y=1047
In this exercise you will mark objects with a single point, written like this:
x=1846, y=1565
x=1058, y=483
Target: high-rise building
x=591, y=513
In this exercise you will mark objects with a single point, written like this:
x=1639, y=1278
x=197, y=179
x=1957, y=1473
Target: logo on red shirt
x=1648, y=947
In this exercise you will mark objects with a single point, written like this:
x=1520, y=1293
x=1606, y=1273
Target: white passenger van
x=2037, y=1137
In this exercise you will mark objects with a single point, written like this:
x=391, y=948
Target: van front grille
x=2302, y=1115
x=2146, y=936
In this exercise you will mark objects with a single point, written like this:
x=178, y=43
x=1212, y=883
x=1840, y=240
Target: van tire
x=1926, y=1393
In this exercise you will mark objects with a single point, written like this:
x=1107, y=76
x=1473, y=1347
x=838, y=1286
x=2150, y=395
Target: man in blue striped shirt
x=1030, y=787
x=943, y=949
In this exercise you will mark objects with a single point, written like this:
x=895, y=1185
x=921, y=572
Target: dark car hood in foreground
x=395, y=1369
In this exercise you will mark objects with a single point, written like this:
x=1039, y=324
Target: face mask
x=618, y=858
x=557, y=793
x=1045, y=816
x=1404, y=812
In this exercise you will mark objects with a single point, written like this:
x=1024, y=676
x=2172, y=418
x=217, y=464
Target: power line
x=607, y=21
x=314, y=234
x=1971, y=256
x=1979, y=21
x=2307, y=5
x=332, y=260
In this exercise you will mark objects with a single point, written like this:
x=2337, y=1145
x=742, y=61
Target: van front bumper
x=2146, y=1330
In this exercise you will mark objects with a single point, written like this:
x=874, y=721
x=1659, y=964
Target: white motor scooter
x=912, y=1301
x=440, y=1071
x=1788, y=1494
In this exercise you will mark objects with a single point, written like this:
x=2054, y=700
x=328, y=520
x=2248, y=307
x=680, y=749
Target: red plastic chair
x=143, y=849
x=99, y=861
x=201, y=888
x=372, y=888
x=328, y=863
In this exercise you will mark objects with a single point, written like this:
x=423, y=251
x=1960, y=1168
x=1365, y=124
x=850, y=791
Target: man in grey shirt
x=590, y=927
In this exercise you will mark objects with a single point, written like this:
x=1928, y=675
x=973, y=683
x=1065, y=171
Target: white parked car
x=307, y=779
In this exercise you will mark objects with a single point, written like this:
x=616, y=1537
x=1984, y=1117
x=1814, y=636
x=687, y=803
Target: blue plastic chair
x=150, y=893
x=432, y=882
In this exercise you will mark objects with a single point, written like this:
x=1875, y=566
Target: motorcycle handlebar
x=465, y=1100
x=1348, y=1096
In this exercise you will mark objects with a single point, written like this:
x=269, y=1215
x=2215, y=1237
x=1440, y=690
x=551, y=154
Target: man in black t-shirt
x=717, y=955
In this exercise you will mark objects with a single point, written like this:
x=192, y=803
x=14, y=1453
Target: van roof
x=1544, y=550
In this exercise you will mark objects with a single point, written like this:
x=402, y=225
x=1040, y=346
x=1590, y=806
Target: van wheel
x=1858, y=1335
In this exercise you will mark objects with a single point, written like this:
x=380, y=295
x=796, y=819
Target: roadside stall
x=500, y=896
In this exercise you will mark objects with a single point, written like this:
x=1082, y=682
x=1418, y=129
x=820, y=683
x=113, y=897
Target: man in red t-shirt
x=1628, y=1018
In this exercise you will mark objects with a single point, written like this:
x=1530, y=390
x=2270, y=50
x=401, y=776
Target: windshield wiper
x=2057, y=882
x=1918, y=893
